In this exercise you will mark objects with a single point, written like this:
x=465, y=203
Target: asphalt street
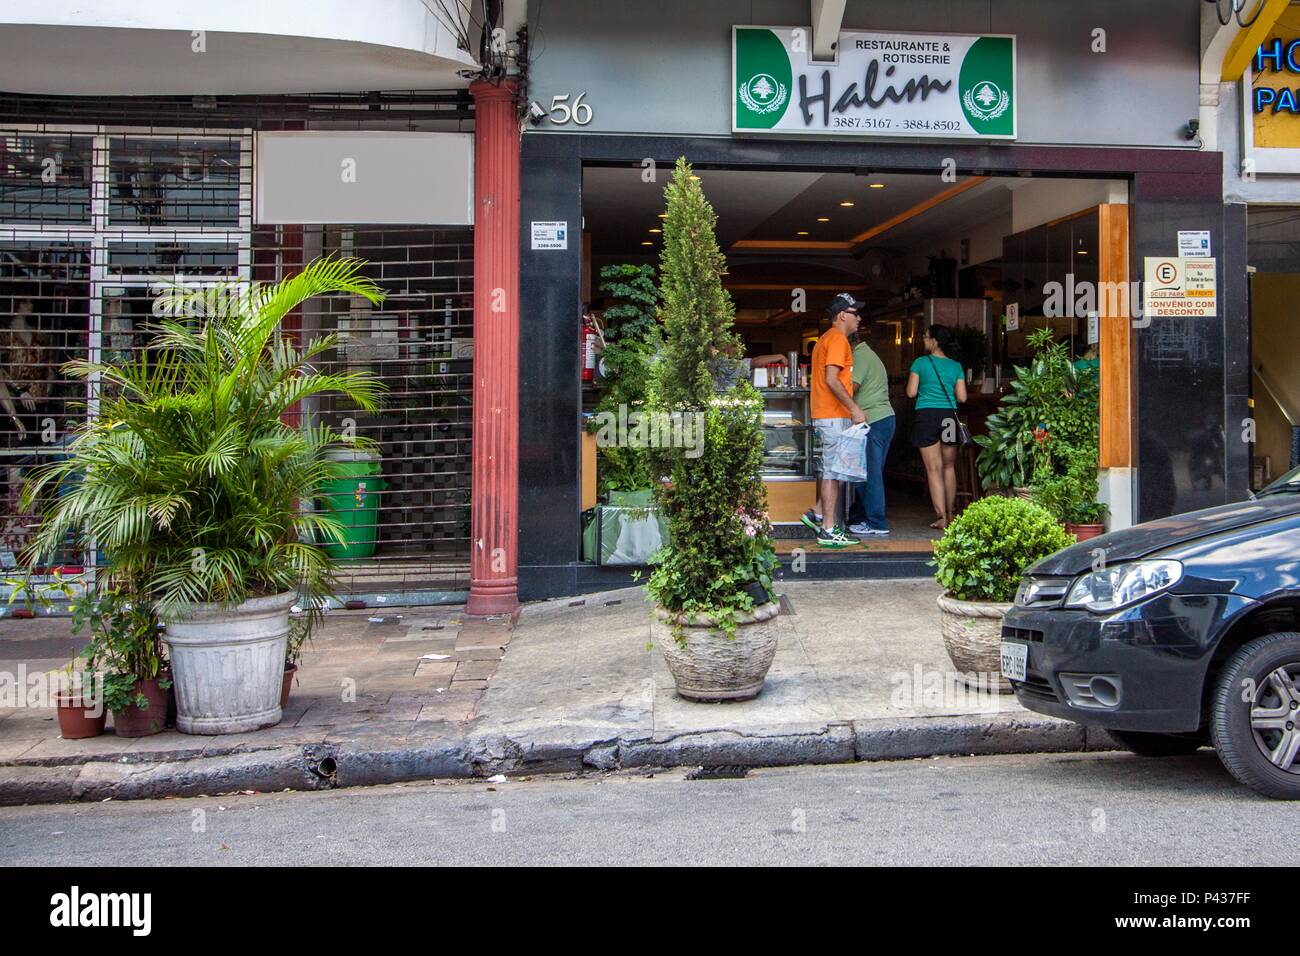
x=1051, y=809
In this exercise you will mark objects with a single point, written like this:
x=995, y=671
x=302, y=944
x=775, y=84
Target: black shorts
x=931, y=425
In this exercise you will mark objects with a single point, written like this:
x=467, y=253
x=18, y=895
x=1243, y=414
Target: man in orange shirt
x=833, y=410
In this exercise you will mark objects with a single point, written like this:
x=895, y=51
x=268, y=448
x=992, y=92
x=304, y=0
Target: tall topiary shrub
x=714, y=498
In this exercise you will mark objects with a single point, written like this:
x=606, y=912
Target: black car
x=1173, y=634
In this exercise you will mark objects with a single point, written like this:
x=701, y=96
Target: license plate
x=1015, y=658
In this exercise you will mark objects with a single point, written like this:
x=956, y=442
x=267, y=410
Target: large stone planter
x=228, y=665
x=709, y=666
x=972, y=633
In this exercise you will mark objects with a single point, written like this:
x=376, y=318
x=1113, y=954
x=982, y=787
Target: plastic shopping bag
x=848, y=456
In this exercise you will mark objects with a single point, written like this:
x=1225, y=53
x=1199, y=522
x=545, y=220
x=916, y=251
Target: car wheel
x=1157, y=745
x=1255, y=717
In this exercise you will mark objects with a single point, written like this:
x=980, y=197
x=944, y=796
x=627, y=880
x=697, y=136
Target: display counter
x=788, y=450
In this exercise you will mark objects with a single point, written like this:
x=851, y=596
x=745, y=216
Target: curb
x=379, y=761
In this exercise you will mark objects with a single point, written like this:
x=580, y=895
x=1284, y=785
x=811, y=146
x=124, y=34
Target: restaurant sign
x=880, y=84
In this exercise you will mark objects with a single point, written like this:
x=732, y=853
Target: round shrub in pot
x=979, y=562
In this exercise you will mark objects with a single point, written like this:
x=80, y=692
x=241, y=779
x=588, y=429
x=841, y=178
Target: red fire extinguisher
x=588, y=344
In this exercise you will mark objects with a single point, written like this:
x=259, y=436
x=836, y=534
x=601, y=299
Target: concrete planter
x=709, y=666
x=228, y=665
x=972, y=634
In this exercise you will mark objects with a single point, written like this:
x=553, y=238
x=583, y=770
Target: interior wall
x=1036, y=201
x=1275, y=344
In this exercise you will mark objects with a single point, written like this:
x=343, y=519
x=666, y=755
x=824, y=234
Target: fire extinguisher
x=588, y=344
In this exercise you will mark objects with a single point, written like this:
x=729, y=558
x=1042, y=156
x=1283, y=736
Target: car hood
x=1164, y=533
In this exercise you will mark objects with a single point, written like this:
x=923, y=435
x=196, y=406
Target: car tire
x=1157, y=745
x=1253, y=712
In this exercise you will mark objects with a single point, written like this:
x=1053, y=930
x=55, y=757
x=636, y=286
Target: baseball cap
x=843, y=302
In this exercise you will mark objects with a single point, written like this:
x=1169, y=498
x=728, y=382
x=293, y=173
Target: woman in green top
x=938, y=384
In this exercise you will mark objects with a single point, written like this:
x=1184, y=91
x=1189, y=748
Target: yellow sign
x=1275, y=88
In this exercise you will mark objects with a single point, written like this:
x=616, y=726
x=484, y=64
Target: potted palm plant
x=194, y=485
x=979, y=562
x=715, y=612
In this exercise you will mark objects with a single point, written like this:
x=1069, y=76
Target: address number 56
x=563, y=112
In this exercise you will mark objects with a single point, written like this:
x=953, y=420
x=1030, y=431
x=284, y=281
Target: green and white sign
x=880, y=84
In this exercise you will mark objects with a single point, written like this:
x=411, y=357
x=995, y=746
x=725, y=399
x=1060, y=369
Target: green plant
x=631, y=340
x=1050, y=408
x=1072, y=497
x=125, y=646
x=720, y=538
x=985, y=551
x=189, y=479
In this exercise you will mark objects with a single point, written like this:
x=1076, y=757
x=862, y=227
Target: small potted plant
x=126, y=652
x=79, y=700
x=979, y=562
x=1072, y=497
x=715, y=612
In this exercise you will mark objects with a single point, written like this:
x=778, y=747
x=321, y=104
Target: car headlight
x=1124, y=584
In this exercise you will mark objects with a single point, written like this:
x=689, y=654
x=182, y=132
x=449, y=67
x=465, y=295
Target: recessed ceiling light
x=803, y=232
x=846, y=203
x=663, y=215
x=647, y=243
x=823, y=219
x=656, y=230
x=875, y=185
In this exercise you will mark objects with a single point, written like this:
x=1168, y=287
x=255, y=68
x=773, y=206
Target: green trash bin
x=353, y=498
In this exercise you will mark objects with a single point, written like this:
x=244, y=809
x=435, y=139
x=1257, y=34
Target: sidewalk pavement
x=571, y=684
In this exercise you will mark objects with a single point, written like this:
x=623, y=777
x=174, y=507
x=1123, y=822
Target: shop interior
x=1273, y=234
x=918, y=249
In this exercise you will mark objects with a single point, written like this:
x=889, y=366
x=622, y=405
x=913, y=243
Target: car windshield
x=1288, y=483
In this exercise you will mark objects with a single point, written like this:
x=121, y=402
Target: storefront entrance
x=920, y=247
x=960, y=252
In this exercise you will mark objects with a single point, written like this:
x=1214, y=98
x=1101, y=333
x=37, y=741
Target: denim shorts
x=828, y=433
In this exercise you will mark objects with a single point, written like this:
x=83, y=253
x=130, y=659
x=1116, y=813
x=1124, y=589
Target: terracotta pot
x=709, y=666
x=1082, y=532
x=972, y=634
x=142, y=721
x=76, y=719
x=290, y=672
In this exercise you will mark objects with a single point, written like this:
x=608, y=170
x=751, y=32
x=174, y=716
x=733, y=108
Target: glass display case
x=787, y=435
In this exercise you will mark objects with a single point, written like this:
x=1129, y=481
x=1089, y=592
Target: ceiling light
x=656, y=230
x=803, y=232
x=823, y=219
x=663, y=215
x=647, y=243
x=875, y=185
x=846, y=203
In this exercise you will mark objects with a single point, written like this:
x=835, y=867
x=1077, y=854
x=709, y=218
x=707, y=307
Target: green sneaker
x=811, y=520
x=835, y=538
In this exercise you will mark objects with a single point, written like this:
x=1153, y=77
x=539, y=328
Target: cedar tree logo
x=762, y=94
x=986, y=100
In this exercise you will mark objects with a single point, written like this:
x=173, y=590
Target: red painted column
x=494, y=490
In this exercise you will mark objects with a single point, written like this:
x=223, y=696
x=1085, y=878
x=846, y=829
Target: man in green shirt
x=871, y=394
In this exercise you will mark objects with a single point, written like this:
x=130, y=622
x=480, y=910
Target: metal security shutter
x=94, y=223
x=419, y=343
